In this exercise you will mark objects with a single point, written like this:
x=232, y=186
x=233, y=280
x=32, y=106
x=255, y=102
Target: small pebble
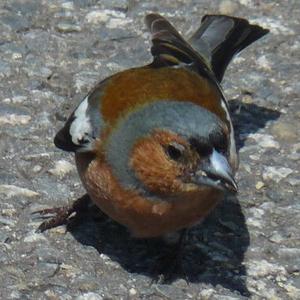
x=34, y=237
x=114, y=23
x=276, y=173
x=36, y=168
x=254, y=157
x=259, y=185
x=67, y=27
x=96, y=17
x=132, y=292
x=102, y=16
x=262, y=268
x=206, y=294
x=13, y=119
x=68, y=5
x=254, y=222
x=19, y=99
x=62, y=168
x=264, y=140
x=293, y=292
x=248, y=99
x=89, y=296
x=223, y=297
x=264, y=63
x=277, y=238
x=227, y=7
x=293, y=181
x=11, y=191
x=9, y=212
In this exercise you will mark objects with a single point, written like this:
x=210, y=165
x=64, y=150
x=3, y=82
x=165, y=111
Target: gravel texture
x=51, y=54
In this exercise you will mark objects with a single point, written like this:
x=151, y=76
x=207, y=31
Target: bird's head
x=169, y=148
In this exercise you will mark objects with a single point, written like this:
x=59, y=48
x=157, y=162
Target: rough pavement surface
x=51, y=54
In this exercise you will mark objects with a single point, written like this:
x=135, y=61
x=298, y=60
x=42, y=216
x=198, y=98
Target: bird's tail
x=211, y=47
x=220, y=37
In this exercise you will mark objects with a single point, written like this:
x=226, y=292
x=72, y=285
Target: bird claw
x=49, y=211
x=61, y=216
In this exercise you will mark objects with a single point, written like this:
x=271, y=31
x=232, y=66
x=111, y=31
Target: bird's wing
x=84, y=125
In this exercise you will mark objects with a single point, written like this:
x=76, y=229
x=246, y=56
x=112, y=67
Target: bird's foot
x=169, y=264
x=61, y=215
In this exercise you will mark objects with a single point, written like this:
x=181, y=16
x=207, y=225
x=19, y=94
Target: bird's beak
x=216, y=172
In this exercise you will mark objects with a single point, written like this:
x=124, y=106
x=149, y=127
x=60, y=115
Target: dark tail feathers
x=220, y=37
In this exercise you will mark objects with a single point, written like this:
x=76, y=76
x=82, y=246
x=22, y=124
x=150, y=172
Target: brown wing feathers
x=168, y=45
x=211, y=48
x=169, y=48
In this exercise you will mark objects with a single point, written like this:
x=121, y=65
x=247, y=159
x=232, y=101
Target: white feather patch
x=81, y=127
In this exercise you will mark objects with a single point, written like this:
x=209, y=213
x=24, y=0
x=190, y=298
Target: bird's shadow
x=249, y=118
x=214, y=250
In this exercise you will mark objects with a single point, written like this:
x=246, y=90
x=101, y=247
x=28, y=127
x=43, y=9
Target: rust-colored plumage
x=154, y=145
x=128, y=90
x=144, y=217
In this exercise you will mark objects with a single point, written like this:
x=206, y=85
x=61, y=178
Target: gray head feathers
x=183, y=118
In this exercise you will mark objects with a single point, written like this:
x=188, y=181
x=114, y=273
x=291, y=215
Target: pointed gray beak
x=217, y=173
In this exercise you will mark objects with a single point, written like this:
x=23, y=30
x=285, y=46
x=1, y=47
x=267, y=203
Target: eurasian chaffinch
x=154, y=145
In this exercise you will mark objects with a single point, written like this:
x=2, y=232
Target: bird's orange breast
x=128, y=90
x=143, y=216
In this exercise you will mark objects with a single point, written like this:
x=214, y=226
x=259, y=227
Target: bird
x=154, y=145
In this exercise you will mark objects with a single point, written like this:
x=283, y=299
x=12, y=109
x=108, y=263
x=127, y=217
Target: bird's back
x=131, y=89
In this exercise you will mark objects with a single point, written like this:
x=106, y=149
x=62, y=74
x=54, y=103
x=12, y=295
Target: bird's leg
x=170, y=262
x=62, y=214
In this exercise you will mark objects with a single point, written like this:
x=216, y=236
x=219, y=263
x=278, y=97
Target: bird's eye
x=175, y=151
